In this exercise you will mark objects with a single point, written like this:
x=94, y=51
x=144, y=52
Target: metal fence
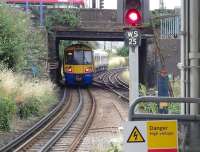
x=188, y=125
x=170, y=27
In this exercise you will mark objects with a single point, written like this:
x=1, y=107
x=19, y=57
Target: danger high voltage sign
x=151, y=136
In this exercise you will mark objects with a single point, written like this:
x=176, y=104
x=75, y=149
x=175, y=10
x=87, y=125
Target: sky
x=154, y=4
x=170, y=4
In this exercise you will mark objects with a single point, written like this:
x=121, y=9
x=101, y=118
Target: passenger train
x=80, y=62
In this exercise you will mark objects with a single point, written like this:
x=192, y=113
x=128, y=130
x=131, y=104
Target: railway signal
x=132, y=12
x=133, y=17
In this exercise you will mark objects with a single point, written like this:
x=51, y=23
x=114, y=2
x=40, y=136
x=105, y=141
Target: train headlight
x=88, y=70
x=69, y=69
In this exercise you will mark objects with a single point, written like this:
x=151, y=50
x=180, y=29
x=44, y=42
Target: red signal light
x=133, y=17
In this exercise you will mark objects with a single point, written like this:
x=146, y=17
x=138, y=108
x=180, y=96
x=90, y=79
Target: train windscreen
x=79, y=57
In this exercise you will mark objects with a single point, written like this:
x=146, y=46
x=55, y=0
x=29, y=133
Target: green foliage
x=146, y=107
x=18, y=40
x=7, y=109
x=58, y=17
x=27, y=109
x=123, y=51
x=142, y=90
x=36, y=52
x=115, y=147
x=13, y=25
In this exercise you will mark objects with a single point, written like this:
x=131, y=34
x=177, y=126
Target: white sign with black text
x=132, y=38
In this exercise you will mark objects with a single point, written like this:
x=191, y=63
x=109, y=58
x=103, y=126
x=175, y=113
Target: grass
x=114, y=145
x=31, y=97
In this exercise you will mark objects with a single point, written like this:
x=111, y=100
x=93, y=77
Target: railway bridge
x=94, y=25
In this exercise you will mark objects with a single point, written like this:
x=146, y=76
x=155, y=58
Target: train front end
x=78, y=66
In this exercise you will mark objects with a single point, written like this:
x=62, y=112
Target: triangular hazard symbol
x=135, y=136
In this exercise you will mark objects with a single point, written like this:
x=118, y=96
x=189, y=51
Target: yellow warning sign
x=162, y=134
x=135, y=136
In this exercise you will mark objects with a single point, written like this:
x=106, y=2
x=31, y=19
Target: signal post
x=132, y=39
x=132, y=18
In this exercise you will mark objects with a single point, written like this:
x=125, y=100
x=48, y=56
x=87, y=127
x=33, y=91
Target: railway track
x=111, y=80
x=65, y=131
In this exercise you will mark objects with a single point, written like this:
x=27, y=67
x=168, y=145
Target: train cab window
x=87, y=57
x=78, y=57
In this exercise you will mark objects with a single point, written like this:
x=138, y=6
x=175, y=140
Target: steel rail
x=30, y=132
x=86, y=126
x=122, y=83
x=48, y=125
x=60, y=133
x=110, y=87
x=113, y=74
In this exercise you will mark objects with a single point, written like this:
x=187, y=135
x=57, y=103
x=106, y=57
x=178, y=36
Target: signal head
x=133, y=17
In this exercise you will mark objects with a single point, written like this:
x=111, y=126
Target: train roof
x=78, y=46
x=100, y=52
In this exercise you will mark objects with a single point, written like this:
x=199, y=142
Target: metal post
x=41, y=13
x=161, y=28
x=194, y=58
x=120, y=11
x=134, y=74
x=26, y=6
x=194, y=55
x=168, y=27
x=183, y=49
x=165, y=20
x=172, y=24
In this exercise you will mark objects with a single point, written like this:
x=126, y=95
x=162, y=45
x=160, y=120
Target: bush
x=57, y=17
x=33, y=97
x=13, y=31
x=28, y=109
x=20, y=43
x=7, y=109
x=124, y=51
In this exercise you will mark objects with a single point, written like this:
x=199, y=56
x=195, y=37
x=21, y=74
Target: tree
x=123, y=51
x=19, y=41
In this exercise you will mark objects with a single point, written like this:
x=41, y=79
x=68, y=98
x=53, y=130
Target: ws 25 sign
x=132, y=38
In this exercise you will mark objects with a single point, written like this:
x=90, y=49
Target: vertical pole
x=134, y=74
x=171, y=26
x=168, y=27
x=183, y=50
x=41, y=13
x=93, y=3
x=120, y=11
x=194, y=55
x=161, y=28
x=26, y=6
x=165, y=20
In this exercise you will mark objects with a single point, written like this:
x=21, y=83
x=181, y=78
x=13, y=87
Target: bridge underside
x=94, y=25
x=90, y=36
